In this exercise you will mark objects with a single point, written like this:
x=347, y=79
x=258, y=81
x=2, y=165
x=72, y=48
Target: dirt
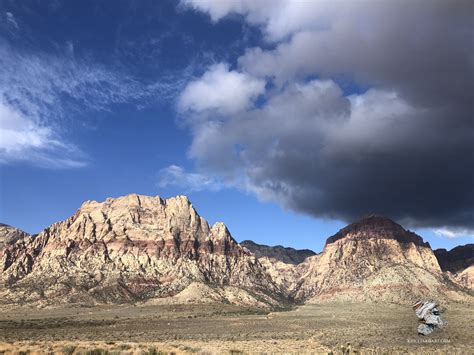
x=336, y=327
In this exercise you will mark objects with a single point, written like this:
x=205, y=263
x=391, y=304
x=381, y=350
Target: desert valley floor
x=214, y=328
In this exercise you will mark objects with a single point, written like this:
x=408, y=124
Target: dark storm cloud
x=404, y=148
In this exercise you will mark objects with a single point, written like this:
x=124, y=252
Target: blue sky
x=106, y=98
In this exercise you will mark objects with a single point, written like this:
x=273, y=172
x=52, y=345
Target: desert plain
x=337, y=328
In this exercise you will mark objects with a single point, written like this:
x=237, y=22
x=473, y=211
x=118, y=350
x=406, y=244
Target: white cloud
x=42, y=93
x=174, y=175
x=11, y=19
x=279, y=18
x=371, y=43
x=454, y=232
x=22, y=139
x=220, y=91
x=18, y=132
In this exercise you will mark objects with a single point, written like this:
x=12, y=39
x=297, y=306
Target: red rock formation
x=374, y=259
x=129, y=248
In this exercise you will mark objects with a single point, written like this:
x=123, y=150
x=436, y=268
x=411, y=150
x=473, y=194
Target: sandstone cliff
x=10, y=235
x=129, y=249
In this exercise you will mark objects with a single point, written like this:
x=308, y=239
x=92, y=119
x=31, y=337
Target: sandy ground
x=209, y=329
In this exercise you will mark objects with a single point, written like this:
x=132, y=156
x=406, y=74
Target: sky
x=286, y=120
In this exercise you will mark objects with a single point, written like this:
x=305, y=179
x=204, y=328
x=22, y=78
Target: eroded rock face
x=10, y=235
x=466, y=277
x=374, y=259
x=142, y=248
x=127, y=249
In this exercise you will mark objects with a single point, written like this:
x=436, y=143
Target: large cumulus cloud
x=404, y=147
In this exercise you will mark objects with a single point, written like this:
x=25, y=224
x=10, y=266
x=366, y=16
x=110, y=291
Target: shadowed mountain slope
x=457, y=259
x=278, y=252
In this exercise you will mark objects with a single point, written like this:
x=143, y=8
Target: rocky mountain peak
x=10, y=235
x=135, y=217
x=131, y=248
x=372, y=259
x=374, y=226
x=142, y=248
x=220, y=230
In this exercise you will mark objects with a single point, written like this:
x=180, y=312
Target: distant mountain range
x=278, y=252
x=148, y=249
x=457, y=259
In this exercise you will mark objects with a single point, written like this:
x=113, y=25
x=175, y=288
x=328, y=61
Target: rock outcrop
x=129, y=249
x=465, y=277
x=278, y=252
x=10, y=235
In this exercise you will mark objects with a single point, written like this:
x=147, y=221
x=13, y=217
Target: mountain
x=374, y=259
x=465, y=277
x=10, y=235
x=148, y=249
x=458, y=263
x=278, y=253
x=133, y=248
x=457, y=259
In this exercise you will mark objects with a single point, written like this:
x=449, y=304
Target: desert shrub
x=68, y=350
x=153, y=351
x=97, y=352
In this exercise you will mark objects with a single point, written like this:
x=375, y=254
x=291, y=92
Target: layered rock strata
x=129, y=249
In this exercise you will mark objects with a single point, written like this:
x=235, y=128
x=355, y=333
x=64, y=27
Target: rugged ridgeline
x=10, y=235
x=279, y=262
x=130, y=249
x=278, y=252
x=457, y=259
x=374, y=259
x=458, y=263
x=147, y=249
